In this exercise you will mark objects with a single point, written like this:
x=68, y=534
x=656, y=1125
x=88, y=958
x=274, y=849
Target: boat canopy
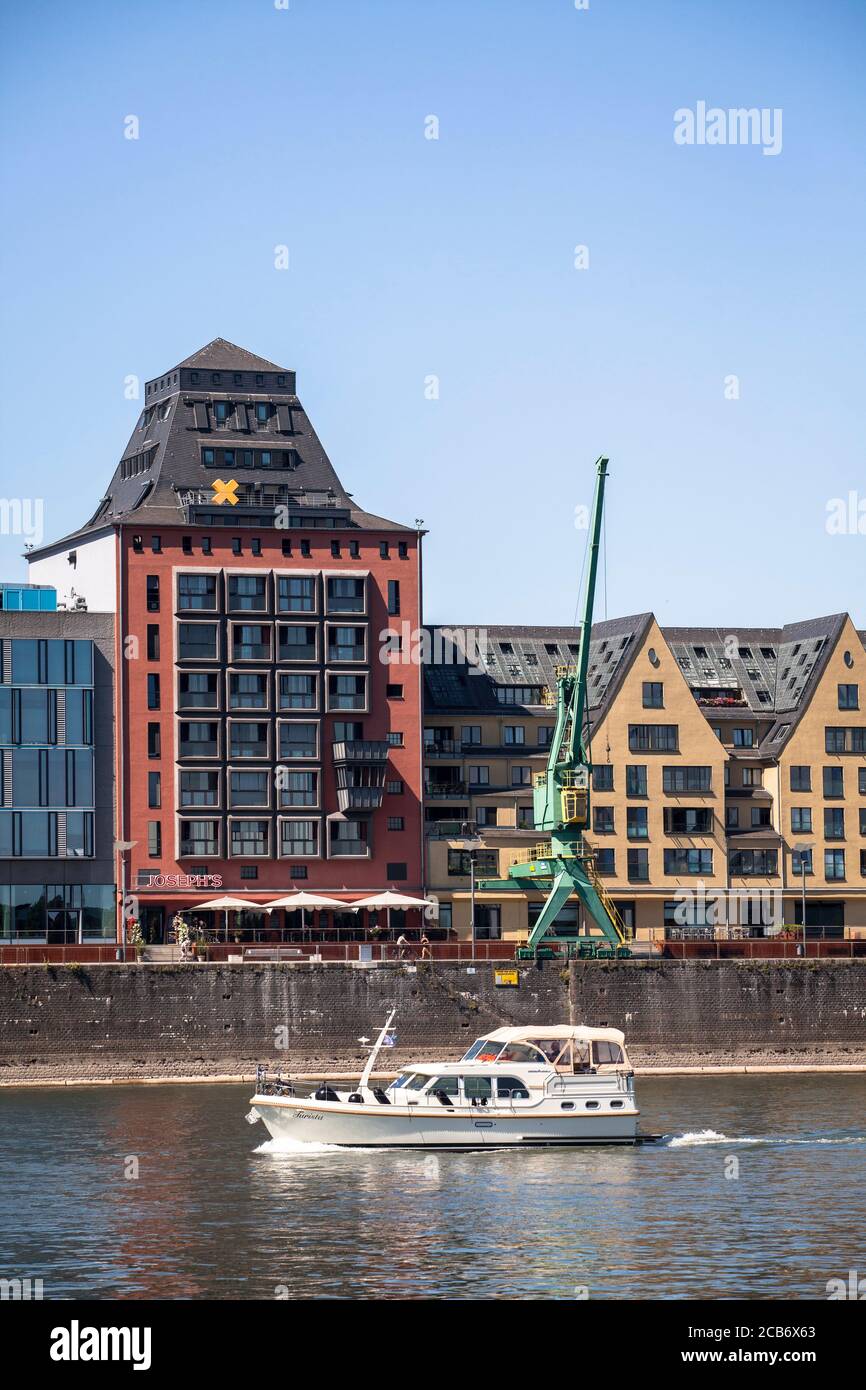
x=560, y=1030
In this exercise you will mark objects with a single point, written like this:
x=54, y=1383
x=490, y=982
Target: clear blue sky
x=412, y=257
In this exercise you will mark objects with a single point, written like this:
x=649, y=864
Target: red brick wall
x=384, y=716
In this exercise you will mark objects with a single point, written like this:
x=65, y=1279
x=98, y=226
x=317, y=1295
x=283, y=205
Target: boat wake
x=298, y=1148
x=711, y=1136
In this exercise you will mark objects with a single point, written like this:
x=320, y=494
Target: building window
x=297, y=643
x=638, y=864
x=298, y=787
x=653, y=738
x=861, y=781
x=635, y=779
x=605, y=863
x=849, y=696
x=237, y=546
x=153, y=593
x=744, y=738
x=347, y=692
x=199, y=788
x=545, y=734
x=801, y=820
x=197, y=690
x=297, y=690
x=248, y=593
x=479, y=776
x=248, y=739
x=153, y=642
x=653, y=695
x=249, y=788
x=197, y=641
x=296, y=594
x=732, y=817
x=753, y=863
x=383, y=550
x=186, y=545
x=834, y=864
x=395, y=823
x=305, y=549
x=248, y=690
x=687, y=779
x=393, y=691
x=198, y=739
x=688, y=862
x=395, y=787
x=470, y=733
x=801, y=861
x=394, y=738
x=834, y=783
x=521, y=776
x=249, y=870
x=251, y=641
x=199, y=838
x=845, y=740
x=636, y=826
x=299, y=839
x=154, y=839
x=153, y=741
x=153, y=690
x=514, y=734
x=834, y=823
x=156, y=545
x=348, y=839
x=393, y=596
x=196, y=591
x=688, y=820
x=347, y=643
x=154, y=790
x=298, y=740
x=249, y=838
x=206, y=547
x=602, y=822
x=602, y=777
x=801, y=778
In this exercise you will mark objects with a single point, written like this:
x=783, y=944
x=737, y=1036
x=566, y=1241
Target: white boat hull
x=442, y=1127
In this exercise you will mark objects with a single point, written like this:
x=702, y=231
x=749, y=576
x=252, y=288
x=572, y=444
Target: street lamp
x=470, y=841
x=803, y=849
x=122, y=848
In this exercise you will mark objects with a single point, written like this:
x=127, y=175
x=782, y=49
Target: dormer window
x=263, y=412
x=215, y=378
x=238, y=378
x=260, y=381
x=222, y=411
x=193, y=377
x=281, y=381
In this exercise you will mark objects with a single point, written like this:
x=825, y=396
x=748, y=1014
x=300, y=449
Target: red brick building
x=268, y=738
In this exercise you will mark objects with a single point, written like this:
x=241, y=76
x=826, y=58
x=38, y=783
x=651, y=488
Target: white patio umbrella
x=390, y=899
x=226, y=903
x=300, y=899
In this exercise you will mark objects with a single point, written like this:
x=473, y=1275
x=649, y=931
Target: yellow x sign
x=225, y=492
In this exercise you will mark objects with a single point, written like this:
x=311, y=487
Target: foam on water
x=711, y=1136
x=300, y=1149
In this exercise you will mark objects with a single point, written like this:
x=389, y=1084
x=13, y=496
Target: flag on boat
x=389, y=1040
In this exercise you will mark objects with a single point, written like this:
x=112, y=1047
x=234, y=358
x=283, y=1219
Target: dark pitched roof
x=161, y=473
x=221, y=355
x=525, y=656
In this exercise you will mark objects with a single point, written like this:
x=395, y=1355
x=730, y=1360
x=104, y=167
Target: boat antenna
x=375, y=1050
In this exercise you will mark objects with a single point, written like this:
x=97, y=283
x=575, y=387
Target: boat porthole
x=592, y=1105
x=567, y=1105
x=616, y=1105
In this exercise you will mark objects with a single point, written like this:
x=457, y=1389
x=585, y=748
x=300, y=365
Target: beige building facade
x=729, y=773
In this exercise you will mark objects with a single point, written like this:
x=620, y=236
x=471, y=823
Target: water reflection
x=217, y=1211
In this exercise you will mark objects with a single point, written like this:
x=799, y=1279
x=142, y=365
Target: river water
x=759, y=1191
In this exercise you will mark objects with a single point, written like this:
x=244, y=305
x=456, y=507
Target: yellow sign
x=225, y=492
x=509, y=978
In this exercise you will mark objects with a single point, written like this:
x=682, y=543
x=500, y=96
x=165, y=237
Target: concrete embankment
x=96, y=1023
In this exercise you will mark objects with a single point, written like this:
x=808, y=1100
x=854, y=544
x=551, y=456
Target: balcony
x=444, y=748
x=360, y=750
x=444, y=790
x=360, y=798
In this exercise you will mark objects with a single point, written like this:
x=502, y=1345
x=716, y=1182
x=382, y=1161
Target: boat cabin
x=570, y=1051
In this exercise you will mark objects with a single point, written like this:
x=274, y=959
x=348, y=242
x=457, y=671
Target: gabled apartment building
x=729, y=771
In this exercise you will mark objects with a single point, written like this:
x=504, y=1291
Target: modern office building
x=270, y=721
x=729, y=774
x=57, y=884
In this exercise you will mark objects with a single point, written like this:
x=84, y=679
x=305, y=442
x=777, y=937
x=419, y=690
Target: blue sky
x=411, y=258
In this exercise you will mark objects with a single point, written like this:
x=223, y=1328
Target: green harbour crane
x=562, y=862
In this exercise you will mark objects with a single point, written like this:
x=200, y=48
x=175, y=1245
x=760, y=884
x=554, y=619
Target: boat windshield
x=482, y=1050
x=401, y=1080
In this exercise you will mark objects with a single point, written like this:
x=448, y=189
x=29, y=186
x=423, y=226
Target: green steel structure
x=561, y=798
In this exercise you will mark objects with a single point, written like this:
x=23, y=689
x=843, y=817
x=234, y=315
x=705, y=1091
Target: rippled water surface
x=759, y=1191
